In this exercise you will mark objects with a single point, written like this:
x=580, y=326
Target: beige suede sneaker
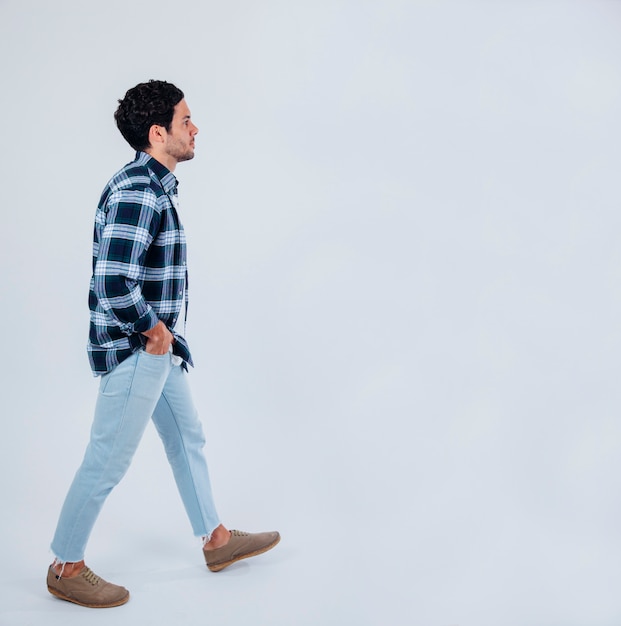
x=86, y=589
x=240, y=546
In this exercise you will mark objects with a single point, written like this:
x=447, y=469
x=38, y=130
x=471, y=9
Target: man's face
x=179, y=142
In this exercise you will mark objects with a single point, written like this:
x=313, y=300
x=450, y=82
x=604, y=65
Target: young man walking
x=138, y=302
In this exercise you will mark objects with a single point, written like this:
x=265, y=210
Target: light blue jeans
x=143, y=387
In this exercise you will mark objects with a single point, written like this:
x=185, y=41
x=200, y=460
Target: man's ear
x=157, y=134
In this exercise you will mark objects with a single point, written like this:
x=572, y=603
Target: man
x=138, y=303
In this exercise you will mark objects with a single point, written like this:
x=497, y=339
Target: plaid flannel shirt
x=139, y=264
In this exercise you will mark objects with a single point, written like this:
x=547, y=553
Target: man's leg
x=182, y=434
x=177, y=423
x=127, y=398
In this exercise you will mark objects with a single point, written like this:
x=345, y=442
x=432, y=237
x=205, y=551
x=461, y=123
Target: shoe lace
x=90, y=576
x=239, y=533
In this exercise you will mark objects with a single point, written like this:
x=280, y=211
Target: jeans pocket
x=118, y=379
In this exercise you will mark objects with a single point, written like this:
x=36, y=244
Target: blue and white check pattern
x=139, y=264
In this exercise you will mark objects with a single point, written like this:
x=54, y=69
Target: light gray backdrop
x=403, y=221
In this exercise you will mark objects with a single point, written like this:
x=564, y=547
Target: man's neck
x=161, y=157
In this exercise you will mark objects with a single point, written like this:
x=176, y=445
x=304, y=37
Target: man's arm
x=131, y=224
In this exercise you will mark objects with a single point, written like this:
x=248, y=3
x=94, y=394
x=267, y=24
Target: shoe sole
x=216, y=567
x=62, y=596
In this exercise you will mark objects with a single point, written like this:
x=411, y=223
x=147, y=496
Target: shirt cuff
x=145, y=322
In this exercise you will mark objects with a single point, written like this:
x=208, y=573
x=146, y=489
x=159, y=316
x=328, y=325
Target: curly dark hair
x=144, y=105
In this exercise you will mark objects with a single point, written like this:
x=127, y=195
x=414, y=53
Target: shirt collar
x=165, y=176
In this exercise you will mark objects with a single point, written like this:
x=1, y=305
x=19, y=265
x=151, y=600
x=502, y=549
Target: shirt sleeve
x=128, y=226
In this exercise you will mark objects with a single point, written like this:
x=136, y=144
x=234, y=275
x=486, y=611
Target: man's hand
x=159, y=339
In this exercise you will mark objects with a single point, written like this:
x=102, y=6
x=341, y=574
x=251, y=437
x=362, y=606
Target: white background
x=405, y=283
